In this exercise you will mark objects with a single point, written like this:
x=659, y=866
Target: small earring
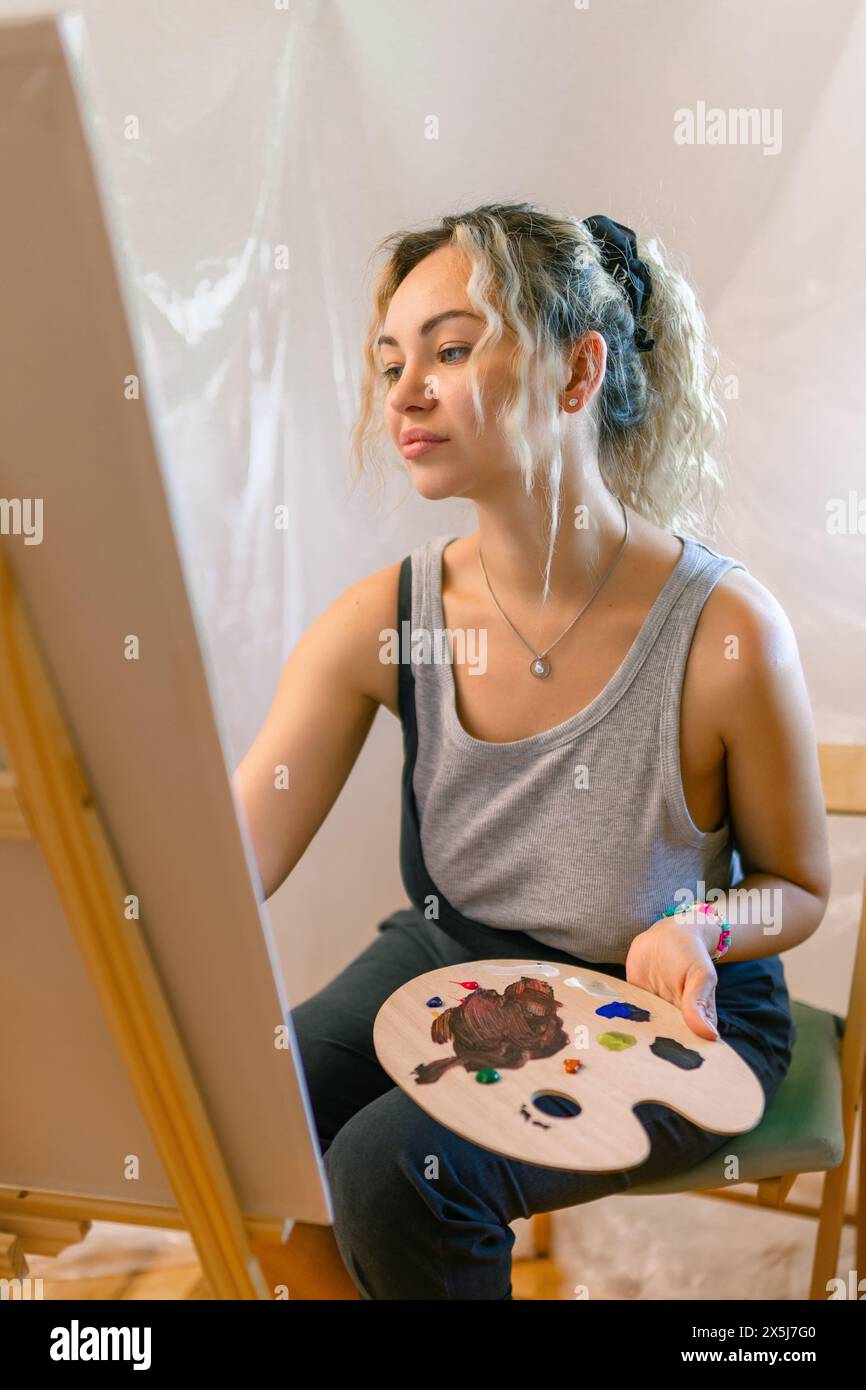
x=572, y=402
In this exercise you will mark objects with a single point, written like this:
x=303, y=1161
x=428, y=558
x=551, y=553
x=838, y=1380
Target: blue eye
x=457, y=347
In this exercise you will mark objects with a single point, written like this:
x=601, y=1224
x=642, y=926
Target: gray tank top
x=579, y=835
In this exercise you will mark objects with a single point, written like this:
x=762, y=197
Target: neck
x=513, y=534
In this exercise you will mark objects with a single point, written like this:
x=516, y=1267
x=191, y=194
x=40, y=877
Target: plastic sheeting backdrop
x=255, y=153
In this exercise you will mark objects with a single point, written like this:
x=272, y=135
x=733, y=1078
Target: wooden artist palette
x=495, y=1028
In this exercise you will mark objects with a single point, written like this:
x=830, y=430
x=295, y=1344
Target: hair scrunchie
x=619, y=257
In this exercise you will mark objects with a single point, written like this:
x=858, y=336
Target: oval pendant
x=539, y=667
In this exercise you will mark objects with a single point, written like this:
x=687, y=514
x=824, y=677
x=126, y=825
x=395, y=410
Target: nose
x=416, y=390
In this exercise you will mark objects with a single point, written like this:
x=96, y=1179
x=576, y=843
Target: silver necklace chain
x=539, y=665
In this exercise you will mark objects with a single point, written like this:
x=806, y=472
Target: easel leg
x=12, y=1262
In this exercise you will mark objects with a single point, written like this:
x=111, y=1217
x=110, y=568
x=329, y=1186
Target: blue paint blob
x=620, y=1009
x=434, y=1003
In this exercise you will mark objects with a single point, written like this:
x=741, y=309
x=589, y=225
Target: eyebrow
x=430, y=324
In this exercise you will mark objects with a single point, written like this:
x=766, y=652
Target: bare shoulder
x=356, y=628
x=743, y=619
x=744, y=650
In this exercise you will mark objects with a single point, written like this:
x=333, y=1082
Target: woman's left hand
x=672, y=959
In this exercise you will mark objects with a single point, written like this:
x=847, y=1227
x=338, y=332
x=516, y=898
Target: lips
x=416, y=442
x=421, y=446
x=417, y=435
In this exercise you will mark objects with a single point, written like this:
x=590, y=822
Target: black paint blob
x=671, y=1051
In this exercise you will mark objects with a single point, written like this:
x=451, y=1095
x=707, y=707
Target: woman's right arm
x=331, y=686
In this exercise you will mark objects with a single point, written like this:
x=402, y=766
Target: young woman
x=636, y=734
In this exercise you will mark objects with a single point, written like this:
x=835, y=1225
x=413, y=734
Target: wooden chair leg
x=835, y=1190
x=541, y=1235
x=830, y=1223
x=860, y=1228
x=309, y=1264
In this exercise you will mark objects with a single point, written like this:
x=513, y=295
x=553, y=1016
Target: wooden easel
x=44, y=797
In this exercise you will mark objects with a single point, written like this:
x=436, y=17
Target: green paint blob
x=486, y=1075
x=617, y=1042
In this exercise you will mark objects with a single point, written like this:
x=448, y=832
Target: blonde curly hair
x=539, y=275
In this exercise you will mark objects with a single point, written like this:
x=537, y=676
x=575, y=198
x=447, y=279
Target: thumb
x=699, y=1012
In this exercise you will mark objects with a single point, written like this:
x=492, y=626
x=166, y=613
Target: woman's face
x=426, y=362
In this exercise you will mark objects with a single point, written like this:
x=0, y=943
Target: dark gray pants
x=405, y=1235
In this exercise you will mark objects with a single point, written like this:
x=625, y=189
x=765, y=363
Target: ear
x=588, y=362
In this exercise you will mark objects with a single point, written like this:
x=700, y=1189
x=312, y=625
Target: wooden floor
x=654, y=1248
x=185, y=1282
x=536, y=1279
x=124, y=1264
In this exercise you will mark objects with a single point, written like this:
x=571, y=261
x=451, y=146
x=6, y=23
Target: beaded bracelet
x=724, y=940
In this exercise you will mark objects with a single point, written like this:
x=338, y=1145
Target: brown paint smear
x=489, y=1029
